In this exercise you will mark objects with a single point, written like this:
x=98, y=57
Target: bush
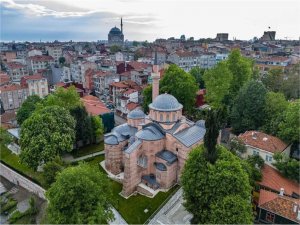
x=33, y=210
x=15, y=216
x=10, y=204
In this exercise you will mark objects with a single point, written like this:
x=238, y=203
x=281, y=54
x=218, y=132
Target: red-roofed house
x=102, y=80
x=259, y=143
x=128, y=96
x=39, y=62
x=94, y=106
x=16, y=70
x=272, y=180
x=37, y=85
x=12, y=96
x=278, y=209
x=4, y=79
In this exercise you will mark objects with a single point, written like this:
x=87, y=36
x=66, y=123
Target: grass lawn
x=13, y=161
x=89, y=149
x=132, y=209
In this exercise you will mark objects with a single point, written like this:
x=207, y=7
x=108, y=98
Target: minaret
x=121, y=25
x=155, y=78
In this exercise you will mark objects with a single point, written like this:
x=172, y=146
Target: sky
x=91, y=20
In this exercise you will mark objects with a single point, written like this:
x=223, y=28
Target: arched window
x=155, y=115
x=174, y=116
x=161, y=117
x=168, y=118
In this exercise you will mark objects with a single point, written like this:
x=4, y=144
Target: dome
x=136, y=114
x=115, y=31
x=165, y=102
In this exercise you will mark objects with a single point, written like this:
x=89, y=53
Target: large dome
x=136, y=114
x=115, y=31
x=165, y=102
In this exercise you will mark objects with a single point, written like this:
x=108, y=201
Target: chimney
x=295, y=209
x=281, y=191
x=254, y=135
x=155, y=79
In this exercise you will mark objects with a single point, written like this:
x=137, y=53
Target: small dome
x=165, y=102
x=115, y=31
x=136, y=114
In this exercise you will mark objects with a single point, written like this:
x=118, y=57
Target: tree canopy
x=51, y=169
x=181, y=85
x=178, y=83
x=46, y=134
x=80, y=195
x=217, y=82
x=275, y=105
x=289, y=167
x=5, y=138
x=198, y=73
x=207, y=185
x=248, y=108
x=27, y=108
x=289, y=128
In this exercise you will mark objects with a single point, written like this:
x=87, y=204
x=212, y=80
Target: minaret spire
x=155, y=78
x=121, y=25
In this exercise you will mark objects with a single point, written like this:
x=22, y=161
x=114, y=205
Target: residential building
x=34, y=52
x=39, y=62
x=268, y=36
x=102, y=81
x=264, y=145
x=129, y=95
x=276, y=208
x=4, y=79
x=55, y=52
x=184, y=59
x=12, y=96
x=37, y=85
x=206, y=60
x=16, y=71
x=222, y=37
x=78, y=70
x=147, y=154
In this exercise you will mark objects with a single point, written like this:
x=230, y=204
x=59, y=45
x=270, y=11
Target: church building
x=148, y=152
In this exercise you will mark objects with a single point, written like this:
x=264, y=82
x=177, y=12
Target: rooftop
x=263, y=141
x=165, y=102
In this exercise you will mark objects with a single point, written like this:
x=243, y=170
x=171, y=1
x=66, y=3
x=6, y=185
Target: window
x=269, y=158
x=255, y=152
x=270, y=217
x=174, y=115
x=161, y=117
x=168, y=117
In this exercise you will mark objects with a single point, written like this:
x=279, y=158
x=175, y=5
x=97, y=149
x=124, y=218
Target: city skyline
x=36, y=20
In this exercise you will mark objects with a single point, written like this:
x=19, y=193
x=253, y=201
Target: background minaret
x=121, y=25
x=155, y=78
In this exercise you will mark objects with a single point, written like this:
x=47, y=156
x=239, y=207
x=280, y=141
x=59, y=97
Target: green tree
x=46, y=134
x=231, y=209
x=62, y=60
x=50, y=170
x=291, y=81
x=66, y=98
x=256, y=163
x=248, y=108
x=115, y=48
x=205, y=185
x=289, y=128
x=273, y=80
x=5, y=137
x=289, y=167
x=147, y=97
x=275, y=105
x=241, y=69
x=27, y=108
x=97, y=128
x=217, y=82
x=237, y=146
x=212, y=124
x=198, y=73
x=181, y=85
x=80, y=195
x=83, y=127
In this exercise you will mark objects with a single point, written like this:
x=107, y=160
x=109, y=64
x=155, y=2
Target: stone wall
x=18, y=179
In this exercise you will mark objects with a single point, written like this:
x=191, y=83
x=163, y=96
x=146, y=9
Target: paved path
x=70, y=158
x=23, y=205
x=119, y=120
x=118, y=218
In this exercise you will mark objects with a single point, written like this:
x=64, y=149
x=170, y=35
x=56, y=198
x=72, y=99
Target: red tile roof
x=40, y=58
x=129, y=91
x=119, y=84
x=132, y=105
x=281, y=205
x=101, y=73
x=272, y=179
x=94, y=106
x=138, y=65
x=263, y=141
x=11, y=87
x=4, y=78
x=15, y=65
x=33, y=77
x=182, y=53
